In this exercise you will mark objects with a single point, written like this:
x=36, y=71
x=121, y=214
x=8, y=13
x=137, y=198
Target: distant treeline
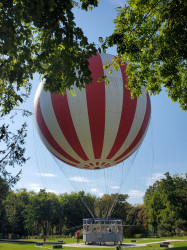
x=164, y=211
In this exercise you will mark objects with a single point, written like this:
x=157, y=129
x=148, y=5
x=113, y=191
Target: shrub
x=139, y=236
x=13, y=236
x=135, y=230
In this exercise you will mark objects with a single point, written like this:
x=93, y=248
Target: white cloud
x=154, y=177
x=135, y=193
x=115, y=187
x=79, y=179
x=96, y=191
x=36, y=188
x=46, y=175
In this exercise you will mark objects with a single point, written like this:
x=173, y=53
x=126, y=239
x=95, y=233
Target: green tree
x=41, y=36
x=4, y=189
x=28, y=213
x=136, y=221
x=74, y=208
x=166, y=204
x=116, y=206
x=112, y=205
x=104, y=204
x=12, y=151
x=151, y=38
x=141, y=215
x=40, y=212
x=11, y=206
x=15, y=207
x=121, y=208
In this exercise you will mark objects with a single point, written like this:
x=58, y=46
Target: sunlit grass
x=178, y=245
x=125, y=240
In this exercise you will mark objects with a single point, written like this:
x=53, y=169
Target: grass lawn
x=147, y=240
x=138, y=240
x=22, y=246
x=178, y=245
x=66, y=240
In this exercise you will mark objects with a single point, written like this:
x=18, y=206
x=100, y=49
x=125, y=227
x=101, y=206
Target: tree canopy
x=166, y=204
x=4, y=187
x=151, y=38
x=41, y=36
x=29, y=213
x=37, y=36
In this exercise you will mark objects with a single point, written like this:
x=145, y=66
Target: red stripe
x=64, y=119
x=86, y=167
x=141, y=131
x=127, y=116
x=46, y=133
x=107, y=165
x=95, y=94
x=63, y=160
x=125, y=158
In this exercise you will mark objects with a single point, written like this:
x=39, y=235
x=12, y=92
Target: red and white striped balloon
x=99, y=127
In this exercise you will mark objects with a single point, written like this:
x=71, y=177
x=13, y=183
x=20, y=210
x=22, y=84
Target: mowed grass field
x=176, y=245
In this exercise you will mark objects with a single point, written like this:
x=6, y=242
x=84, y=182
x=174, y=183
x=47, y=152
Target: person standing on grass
x=78, y=236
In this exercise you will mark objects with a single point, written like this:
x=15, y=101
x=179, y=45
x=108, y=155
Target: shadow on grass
x=180, y=248
x=18, y=246
x=164, y=248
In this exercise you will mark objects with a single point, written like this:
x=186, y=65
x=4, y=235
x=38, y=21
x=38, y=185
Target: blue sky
x=163, y=150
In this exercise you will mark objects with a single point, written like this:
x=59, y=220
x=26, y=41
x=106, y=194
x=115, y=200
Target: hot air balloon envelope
x=97, y=128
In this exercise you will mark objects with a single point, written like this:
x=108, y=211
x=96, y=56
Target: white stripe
x=137, y=146
x=45, y=142
x=53, y=126
x=114, y=103
x=136, y=125
x=38, y=91
x=79, y=115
